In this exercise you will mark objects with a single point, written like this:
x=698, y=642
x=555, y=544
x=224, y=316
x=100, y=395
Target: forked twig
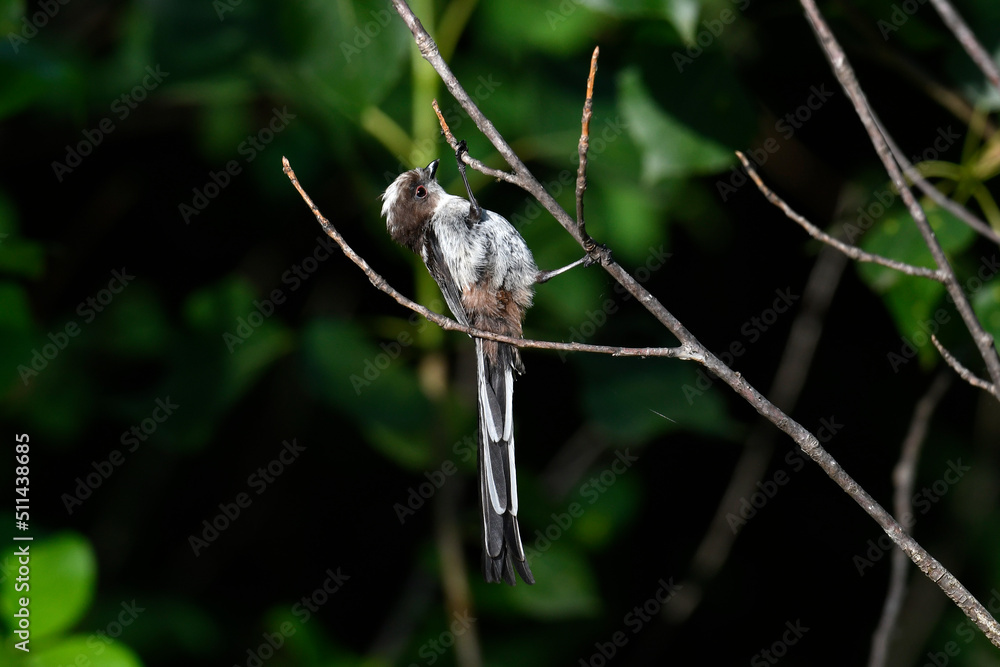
x=967, y=39
x=848, y=80
x=851, y=251
x=449, y=324
x=690, y=347
x=962, y=371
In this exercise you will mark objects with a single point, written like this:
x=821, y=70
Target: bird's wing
x=438, y=268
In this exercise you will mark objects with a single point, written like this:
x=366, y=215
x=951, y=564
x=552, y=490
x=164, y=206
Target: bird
x=487, y=274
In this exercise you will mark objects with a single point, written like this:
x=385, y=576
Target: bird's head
x=409, y=203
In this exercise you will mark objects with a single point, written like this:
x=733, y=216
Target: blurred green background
x=244, y=454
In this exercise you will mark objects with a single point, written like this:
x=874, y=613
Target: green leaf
x=635, y=399
x=912, y=301
x=601, y=521
x=136, y=326
x=669, y=147
x=372, y=385
x=559, y=28
x=986, y=304
x=565, y=586
x=682, y=14
x=352, y=53
x=63, y=573
x=21, y=257
x=80, y=650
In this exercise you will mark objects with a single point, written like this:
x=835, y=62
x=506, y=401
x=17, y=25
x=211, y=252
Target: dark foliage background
x=231, y=331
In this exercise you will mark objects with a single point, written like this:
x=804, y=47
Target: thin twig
x=904, y=478
x=584, y=145
x=962, y=371
x=968, y=41
x=521, y=176
x=851, y=251
x=449, y=137
x=681, y=352
x=696, y=351
x=936, y=195
x=468, y=159
x=848, y=80
x=877, y=48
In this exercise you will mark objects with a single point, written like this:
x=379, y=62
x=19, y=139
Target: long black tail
x=502, y=548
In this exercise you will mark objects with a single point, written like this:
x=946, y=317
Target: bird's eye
x=421, y=192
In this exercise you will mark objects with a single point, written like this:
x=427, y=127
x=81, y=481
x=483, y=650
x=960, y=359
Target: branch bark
x=691, y=348
x=903, y=479
x=848, y=80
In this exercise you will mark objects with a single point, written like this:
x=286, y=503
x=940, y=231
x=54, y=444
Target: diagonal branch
x=936, y=195
x=851, y=251
x=962, y=371
x=695, y=351
x=848, y=80
x=903, y=479
x=967, y=39
x=682, y=352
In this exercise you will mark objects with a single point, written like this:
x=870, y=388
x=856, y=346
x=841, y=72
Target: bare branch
x=851, y=251
x=682, y=352
x=962, y=371
x=584, y=145
x=936, y=195
x=789, y=379
x=466, y=157
x=904, y=478
x=848, y=80
x=968, y=41
x=694, y=350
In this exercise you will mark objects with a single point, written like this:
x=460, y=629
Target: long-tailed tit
x=487, y=276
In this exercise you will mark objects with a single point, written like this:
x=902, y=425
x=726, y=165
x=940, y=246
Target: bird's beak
x=432, y=168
